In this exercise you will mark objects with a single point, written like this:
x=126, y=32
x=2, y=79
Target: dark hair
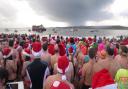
x=124, y=50
x=3, y=74
x=110, y=50
x=117, y=46
x=11, y=43
x=72, y=40
x=61, y=37
x=45, y=46
x=58, y=37
x=22, y=43
x=5, y=59
x=92, y=53
x=27, y=58
x=58, y=41
x=33, y=40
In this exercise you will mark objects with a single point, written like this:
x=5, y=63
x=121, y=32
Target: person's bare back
x=69, y=73
x=109, y=64
x=12, y=68
x=87, y=73
x=54, y=59
x=46, y=57
x=122, y=60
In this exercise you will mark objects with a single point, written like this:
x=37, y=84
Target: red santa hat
x=60, y=85
x=36, y=49
x=63, y=66
x=62, y=50
x=70, y=50
x=102, y=78
x=90, y=39
x=7, y=52
x=44, y=39
x=76, y=39
x=27, y=52
x=51, y=49
x=83, y=49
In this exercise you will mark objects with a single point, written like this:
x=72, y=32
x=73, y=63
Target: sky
x=60, y=13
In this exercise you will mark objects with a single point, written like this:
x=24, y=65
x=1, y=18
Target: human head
x=7, y=52
x=124, y=51
x=86, y=58
x=63, y=66
x=72, y=40
x=102, y=54
x=110, y=51
x=45, y=46
x=27, y=54
x=36, y=49
x=11, y=42
x=92, y=53
x=58, y=41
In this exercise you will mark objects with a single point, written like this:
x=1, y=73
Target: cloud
x=74, y=12
x=125, y=14
x=7, y=12
x=7, y=9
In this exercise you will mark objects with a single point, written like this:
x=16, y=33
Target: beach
x=70, y=32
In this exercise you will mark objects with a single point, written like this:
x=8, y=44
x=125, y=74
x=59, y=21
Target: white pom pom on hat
x=60, y=85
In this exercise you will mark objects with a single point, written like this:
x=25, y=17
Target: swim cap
x=86, y=58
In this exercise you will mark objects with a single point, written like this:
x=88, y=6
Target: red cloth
x=6, y=51
x=63, y=64
x=84, y=49
x=51, y=49
x=36, y=46
x=124, y=42
x=60, y=85
x=70, y=50
x=115, y=51
x=62, y=50
x=102, y=78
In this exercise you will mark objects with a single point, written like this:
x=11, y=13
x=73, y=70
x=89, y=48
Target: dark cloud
x=74, y=12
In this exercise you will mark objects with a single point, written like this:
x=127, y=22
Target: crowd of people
x=56, y=62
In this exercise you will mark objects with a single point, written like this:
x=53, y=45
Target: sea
x=116, y=33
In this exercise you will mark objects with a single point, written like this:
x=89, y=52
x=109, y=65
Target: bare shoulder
x=84, y=66
x=48, y=82
x=11, y=62
x=117, y=57
x=50, y=77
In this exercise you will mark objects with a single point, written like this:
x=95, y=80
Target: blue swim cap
x=86, y=58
